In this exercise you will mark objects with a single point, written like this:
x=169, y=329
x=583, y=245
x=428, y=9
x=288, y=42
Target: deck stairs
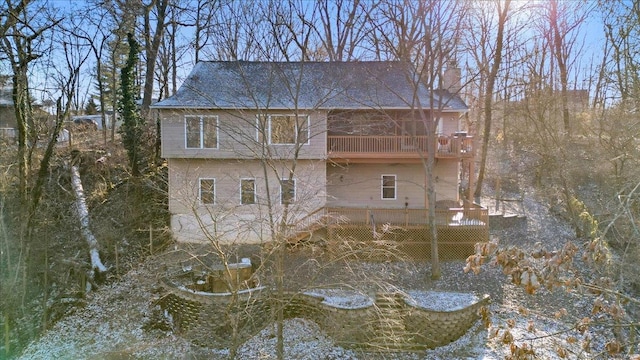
x=304, y=233
x=306, y=226
x=391, y=334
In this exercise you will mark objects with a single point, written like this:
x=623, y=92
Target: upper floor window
x=287, y=191
x=388, y=187
x=207, y=191
x=283, y=129
x=247, y=191
x=201, y=132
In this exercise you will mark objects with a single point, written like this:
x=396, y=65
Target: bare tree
x=425, y=36
x=240, y=31
x=22, y=29
x=120, y=17
x=344, y=27
x=621, y=67
x=489, y=64
x=152, y=41
x=561, y=31
x=93, y=33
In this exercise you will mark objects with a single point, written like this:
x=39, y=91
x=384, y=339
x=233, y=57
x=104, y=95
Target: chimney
x=452, y=77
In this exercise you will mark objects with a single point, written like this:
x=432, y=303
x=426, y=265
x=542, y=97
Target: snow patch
x=440, y=301
x=342, y=299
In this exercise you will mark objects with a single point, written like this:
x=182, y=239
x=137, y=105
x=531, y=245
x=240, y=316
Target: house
x=8, y=122
x=93, y=121
x=322, y=144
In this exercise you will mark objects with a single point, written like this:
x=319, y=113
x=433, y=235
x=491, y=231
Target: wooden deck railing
x=453, y=217
x=466, y=225
x=445, y=146
x=464, y=216
x=8, y=133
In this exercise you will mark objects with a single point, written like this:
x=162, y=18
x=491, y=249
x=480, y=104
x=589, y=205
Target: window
x=388, y=187
x=201, y=132
x=247, y=191
x=207, y=191
x=287, y=191
x=283, y=129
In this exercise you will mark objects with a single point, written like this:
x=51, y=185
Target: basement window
x=247, y=191
x=207, y=191
x=388, y=188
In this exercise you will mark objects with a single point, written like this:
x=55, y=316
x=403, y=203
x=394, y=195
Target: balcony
x=350, y=148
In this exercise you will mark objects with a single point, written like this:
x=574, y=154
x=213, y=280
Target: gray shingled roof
x=302, y=85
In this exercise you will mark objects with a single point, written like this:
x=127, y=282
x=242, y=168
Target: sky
x=590, y=53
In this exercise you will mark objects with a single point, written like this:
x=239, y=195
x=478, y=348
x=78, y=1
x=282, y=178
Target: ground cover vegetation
x=557, y=122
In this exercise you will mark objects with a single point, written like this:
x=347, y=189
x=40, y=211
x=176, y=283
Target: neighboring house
x=332, y=143
x=94, y=121
x=8, y=124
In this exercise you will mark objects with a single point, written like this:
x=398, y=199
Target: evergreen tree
x=132, y=123
x=91, y=108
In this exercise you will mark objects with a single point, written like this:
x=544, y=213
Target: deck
x=459, y=229
x=354, y=148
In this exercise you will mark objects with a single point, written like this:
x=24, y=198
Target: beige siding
x=235, y=222
x=359, y=185
x=237, y=137
x=450, y=124
x=317, y=183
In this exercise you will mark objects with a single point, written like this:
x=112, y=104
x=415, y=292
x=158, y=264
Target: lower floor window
x=389, y=187
x=207, y=191
x=247, y=191
x=287, y=191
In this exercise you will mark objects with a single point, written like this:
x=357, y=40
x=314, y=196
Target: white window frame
x=268, y=128
x=295, y=192
x=395, y=187
x=254, y=191
x=200, y=180
x=201, y=119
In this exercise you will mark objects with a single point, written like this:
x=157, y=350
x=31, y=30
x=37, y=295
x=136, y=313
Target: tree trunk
x=151, y=50
x=488, y=99
x=83, y=215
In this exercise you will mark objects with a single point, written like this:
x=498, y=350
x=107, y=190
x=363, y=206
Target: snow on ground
x=343, y=299
x=441, y=301
x=304, y=340
x=111, y=324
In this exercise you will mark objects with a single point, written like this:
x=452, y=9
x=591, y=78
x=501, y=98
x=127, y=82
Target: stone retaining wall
x=211, y=319
x=438, y=328
x=207, y=319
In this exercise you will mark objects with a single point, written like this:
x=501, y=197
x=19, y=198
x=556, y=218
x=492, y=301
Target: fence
x=445, y=146
x=404, y=230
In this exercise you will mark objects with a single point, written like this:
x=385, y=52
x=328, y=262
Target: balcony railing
x=406, y=146
x=452, y=217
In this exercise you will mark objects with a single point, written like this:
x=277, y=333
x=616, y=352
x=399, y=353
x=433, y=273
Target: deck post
x=472, y=172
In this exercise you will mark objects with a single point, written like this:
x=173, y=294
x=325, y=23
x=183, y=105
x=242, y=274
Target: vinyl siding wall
x=359, y=185
x=450, y=124
x=237, y=136
x=235, y=222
